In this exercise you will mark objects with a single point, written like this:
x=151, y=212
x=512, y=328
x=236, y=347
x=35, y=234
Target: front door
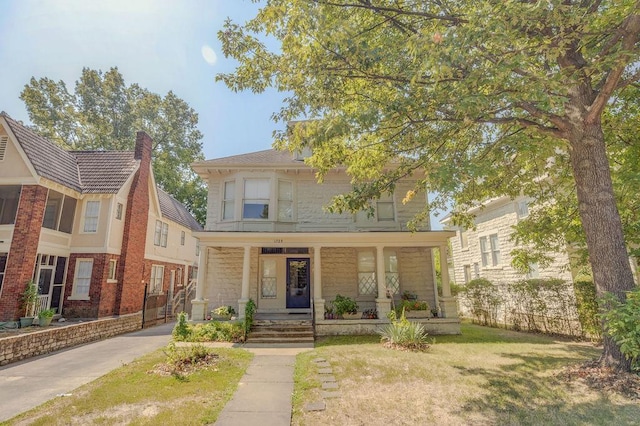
x=298, y=288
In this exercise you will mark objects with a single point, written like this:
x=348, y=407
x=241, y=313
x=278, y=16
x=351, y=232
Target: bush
x=181, y=331
x=484, y=301
x=404, y=334
x=344, y=305
x=588, y=309
x=218, y=331
x=623, y=324
x=249, y=312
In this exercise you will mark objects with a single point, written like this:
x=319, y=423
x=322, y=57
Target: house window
x=476, y=271
x=467, y=273
x=464, y=239
x=285, y=200
x=182, y=237
x=161, y=233
x=367, y=284
x=82, y=280
x=490, y=250
x=392, y=278
x=534, y=271
x=59, y=212
x=157, y=274
x=3, y=266
x=523, y=209
x=256, y=199
x=9, y=198
x=384, y=210
x=91, y=213
x=113, y=266
x=228, y=203
x=268, y=283
x=119, y=208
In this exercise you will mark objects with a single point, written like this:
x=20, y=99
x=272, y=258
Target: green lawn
x=483, y=377
x=134, y=394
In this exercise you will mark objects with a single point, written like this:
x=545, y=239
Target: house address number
x=278, y=240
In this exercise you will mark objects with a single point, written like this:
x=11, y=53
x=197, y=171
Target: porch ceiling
x=323, y=239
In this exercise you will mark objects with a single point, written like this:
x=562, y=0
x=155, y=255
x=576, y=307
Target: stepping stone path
x=329, y=384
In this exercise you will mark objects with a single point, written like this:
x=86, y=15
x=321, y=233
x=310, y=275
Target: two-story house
x=268, y=238
x=485, y=251
x=91, y=228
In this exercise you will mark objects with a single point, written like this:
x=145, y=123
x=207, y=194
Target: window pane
x=158, y=233
x=165, y=233
x=52, y=210
x=255, y=210
x=9, y=198
x=285, y=190
x=68, y=214
x=83, y=277
x=228, y=210
x=285, y=210
x=385, y=211
x=91, y=216
x=256, y=188
x=229, y=190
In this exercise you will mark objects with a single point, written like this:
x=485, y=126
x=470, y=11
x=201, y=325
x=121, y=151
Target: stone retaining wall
x=18, y=347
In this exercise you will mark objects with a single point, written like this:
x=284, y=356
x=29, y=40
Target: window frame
x=365, y=274
x=85, y=222
x=257, y=201
x=119, y=210
x=229, y=200
x=285, y=201
x=112, y=272
x=183, y=237
x=75, y=293
x=490, y=253
x=156, y=279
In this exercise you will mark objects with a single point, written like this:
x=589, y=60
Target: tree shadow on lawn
x=516, y=394
x=474, y=333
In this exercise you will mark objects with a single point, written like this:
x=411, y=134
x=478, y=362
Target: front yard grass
x=140, y=393
x=486, y=376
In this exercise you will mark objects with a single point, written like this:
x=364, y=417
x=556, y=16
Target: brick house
x=486, y=250
x=91, y=228
x=268, y=238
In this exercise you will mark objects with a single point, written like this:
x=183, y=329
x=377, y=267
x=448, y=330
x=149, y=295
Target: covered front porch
x=287, y=273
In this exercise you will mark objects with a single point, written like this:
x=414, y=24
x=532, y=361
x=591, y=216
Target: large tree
x=104, y=112
x=489, y=97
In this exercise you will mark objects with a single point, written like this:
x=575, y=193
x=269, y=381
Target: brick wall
x=130, y=288
x=18, y=347
x=23, y=250
x=102, y=294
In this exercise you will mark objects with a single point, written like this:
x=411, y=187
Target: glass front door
x=298, y=284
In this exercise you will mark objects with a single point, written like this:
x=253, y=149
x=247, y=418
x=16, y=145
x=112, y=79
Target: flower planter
x=26, y=321
x=357, y=315
x=45, y=321
x=418, y=314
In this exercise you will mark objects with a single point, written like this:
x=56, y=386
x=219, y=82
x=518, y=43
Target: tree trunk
x=602, y=225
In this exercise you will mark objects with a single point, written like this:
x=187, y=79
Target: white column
x=318, y=301
x=246, y=273
x=383, y=304
x=448, y=304
x=199, y=304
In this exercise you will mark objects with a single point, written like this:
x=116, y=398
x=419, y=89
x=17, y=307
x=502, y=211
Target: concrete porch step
x=281, y=331
x=280, y=340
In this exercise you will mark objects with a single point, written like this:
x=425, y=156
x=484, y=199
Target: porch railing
x=42, y=303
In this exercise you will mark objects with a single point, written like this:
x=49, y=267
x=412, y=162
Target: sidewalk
x=29, y=383
x=264, y=392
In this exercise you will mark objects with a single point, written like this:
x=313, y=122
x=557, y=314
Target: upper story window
x=91, y=215
x=285, y=200
x=384, y=211
x=9, y=198
x=119, y=208
x=255, y=203
x=490, y=250
x=464, y=239
x=59, y=212
x=182, y=237
x=161, y=234
x=229, y=201
x=523, y=209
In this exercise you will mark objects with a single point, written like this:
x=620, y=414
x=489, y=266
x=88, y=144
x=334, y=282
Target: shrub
x=484, y=301
x=414, y=305
x=218, y=331
x=623, y=324
x=224, y=311
x=404, y=334
x=249, y=312
x=588, y=310
x=181, y=331
x=344, y=305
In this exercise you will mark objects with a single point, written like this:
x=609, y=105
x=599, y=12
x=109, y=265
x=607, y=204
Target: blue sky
x=155, y=43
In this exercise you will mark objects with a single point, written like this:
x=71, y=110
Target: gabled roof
x=269, y=158
x=104, y=171
x=173, y=210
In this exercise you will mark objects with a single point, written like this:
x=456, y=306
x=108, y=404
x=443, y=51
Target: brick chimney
x=131, y=266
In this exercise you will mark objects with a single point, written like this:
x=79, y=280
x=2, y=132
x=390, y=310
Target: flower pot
x=26, y=321
x=45, y=321
x=417, y=314
x=357, y=315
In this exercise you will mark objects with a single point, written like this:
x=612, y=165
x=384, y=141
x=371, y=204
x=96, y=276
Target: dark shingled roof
x=90, y=172
x=104, y=171
x=173, y=210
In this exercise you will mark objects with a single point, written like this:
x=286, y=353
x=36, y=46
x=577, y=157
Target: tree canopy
x=103, y=112
x=482, y=98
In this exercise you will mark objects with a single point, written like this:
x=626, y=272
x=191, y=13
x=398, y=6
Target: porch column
x=448, y=305
x=199, y=304
x=246, y=271
x=383, y=304
x=318, y=301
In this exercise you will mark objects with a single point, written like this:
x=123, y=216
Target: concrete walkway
x=29, y=383
x=264, y=392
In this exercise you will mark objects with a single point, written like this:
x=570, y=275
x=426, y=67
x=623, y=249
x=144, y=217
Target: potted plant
x=416, y=308
x=45, y=317
x=223, y=312
x=328, y=311
x=28, y=299
x=434, y=312
x=345, y=305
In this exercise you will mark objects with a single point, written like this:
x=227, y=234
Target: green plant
x=249, y=312
x=414, y=305
x=483, y=300
x=409, y=295
x=181, y=331
x=344, y=305
x=46, y=313
x=218, y=331
x=29, y=297
x=587, y=307
x=622, y=323
x=224, y=311
x=404, y=334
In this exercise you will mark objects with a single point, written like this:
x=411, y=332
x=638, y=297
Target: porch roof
x=323, y=239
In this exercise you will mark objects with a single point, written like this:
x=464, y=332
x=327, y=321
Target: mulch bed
x=596, y=377
x=186, y=367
